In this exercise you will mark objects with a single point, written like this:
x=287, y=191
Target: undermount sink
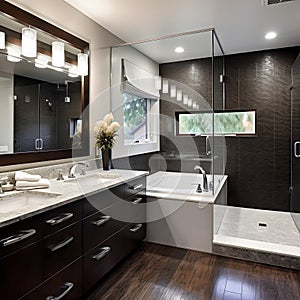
x=21, y=199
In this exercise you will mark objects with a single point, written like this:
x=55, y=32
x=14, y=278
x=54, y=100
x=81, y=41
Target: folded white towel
x=28, y=185
x=23, y=176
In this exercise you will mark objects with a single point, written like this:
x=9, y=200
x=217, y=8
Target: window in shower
x=226, y=123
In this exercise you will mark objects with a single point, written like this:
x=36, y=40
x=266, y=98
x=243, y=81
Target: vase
x=106, y=159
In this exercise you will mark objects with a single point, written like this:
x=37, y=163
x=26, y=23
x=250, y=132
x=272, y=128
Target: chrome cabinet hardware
x=136, y=187
x=102, y=220
x=59, y=219
x=67, y=286
x=61, y=244
x=103, y=252
x=24, y=234
x=136, y=228
x=137, y=200
x=295, y=149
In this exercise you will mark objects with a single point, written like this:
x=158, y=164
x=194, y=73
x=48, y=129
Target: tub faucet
x=202, y=171
x=73, y=169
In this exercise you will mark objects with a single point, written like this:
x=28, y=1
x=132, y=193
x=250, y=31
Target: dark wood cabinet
x=65, y=252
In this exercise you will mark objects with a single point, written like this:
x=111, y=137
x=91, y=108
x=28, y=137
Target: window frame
x=178, y=113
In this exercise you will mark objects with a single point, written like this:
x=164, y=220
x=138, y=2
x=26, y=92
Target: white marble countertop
x=19, y=205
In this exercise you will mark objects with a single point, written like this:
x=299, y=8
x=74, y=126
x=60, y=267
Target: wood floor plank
x=156, y=272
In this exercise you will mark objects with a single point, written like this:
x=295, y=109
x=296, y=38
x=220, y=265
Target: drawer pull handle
x=63, y=243
x=103, y=252
x=101, y=221
x=67, y=286
x=137, y=187
x=136, y=228
x=60, y=219
x=137, y=200
x=24, y=234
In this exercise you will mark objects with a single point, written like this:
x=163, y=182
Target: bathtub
x=177, y=215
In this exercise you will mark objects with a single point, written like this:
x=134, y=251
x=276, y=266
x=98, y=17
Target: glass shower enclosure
x=188, y=73
x=295, y=143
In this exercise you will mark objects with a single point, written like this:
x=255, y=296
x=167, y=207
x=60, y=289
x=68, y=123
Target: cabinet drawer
x=102, y=259
x=136, y=207
x=65, y=285
x=21, y=271
x=99, y=201
x=100, y=226
x=62, y=248
x=18, y=235
x=133, y=234
x=61, y=217
x=134, y=186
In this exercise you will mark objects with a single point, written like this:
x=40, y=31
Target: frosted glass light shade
x=173, y=91
x=157, y=83
x=190, y=102
x=29, y=42
x=179, y=95
x=185, y=99
x=82, y=64
x=13, y=54
x=2, y=40
x=165, y=86
x=58, y=54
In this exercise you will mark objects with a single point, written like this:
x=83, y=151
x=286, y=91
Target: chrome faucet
x=73, y=169
x=205, y=184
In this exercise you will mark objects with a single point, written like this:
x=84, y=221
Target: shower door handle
x=295, y=149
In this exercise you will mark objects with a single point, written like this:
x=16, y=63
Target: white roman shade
x=137, y=81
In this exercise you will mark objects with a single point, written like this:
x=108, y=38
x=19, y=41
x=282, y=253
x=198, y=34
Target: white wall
x=6, y=113
x=68, y=18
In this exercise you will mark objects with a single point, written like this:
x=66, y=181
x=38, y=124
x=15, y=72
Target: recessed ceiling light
x=271, y=35
x=179, y=50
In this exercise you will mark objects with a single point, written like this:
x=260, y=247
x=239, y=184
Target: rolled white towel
x=29, y=185
x=23, y=176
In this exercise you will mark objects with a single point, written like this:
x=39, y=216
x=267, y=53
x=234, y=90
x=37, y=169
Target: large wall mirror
x=44, y=90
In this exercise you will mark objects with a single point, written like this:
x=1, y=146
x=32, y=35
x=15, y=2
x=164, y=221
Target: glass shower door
x=295, y=153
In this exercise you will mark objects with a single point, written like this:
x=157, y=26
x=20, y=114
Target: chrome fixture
x=205, y=185
x=60, y=175
x=73, y=169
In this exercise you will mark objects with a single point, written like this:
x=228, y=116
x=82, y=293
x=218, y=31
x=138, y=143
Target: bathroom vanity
x=62, y=247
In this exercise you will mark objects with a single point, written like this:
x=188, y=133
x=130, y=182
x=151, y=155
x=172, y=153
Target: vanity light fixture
x=179, y=50
x=13, y=53
x=185, y=99
x=83, y=65
x=270, y=35
x=194, y=105
x=190, y=102
x=179, y=95
x=173, y=91
x=2, y=40
x=29, y=42
x=157, y=83
x=165, y=86
x=58, y=54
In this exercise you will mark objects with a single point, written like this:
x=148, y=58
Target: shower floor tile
x=259, y=225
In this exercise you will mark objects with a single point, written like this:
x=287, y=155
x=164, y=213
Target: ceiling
x=240, y=24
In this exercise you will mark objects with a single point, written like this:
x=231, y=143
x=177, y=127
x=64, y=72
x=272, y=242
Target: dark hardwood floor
x=160, y=272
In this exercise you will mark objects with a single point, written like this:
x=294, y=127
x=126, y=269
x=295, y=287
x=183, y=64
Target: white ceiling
x=240, y=24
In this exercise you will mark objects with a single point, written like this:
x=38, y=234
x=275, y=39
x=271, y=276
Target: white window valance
x=137, y=81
